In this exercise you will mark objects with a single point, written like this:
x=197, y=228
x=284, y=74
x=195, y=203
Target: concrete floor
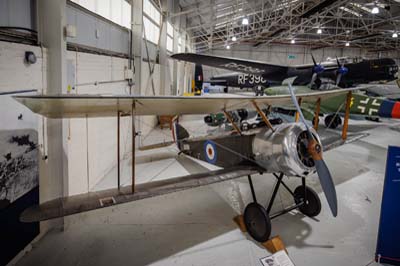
x=195, y=227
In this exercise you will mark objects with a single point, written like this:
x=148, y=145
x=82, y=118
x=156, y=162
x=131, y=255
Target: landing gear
x=257, y=219
x=311, y=206
x=257, y=222
x=226, y=90
x=259, y=90
x=333, y=121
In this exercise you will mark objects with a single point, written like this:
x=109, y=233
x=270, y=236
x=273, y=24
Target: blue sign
x=388, y=246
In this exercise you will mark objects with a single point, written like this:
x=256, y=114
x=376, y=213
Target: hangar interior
x=126, y=47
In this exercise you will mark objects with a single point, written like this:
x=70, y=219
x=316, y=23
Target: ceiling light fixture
x=228, y=47
x=319, y=31
x=245, y=21
x=375, y=10
x=293, y=41
x=347, y=44
x=394, y=35
x=234, y=39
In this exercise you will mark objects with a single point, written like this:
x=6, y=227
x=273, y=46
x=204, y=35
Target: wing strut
x=297, y=117
x=118, y=149
x=263, y=116
x=229, y=117
x=133, y=148
x=346, y=116
x=316, y=114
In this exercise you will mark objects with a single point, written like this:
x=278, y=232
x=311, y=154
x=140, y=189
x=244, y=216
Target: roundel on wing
x=210, y=151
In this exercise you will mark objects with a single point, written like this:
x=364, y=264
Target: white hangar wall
x=91, y=143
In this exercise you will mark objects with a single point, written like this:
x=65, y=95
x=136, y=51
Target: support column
x=176, y=22
x=53, y=171
x=137, y=29
x=164, y=81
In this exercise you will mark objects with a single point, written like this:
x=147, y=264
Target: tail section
x=179, y=133
x=198, y=79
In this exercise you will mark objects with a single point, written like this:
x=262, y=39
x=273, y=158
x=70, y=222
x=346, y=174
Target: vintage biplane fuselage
x=280, y=151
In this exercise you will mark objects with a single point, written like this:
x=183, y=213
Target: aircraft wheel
x=333, y=121
x=245, y=126
x=312, y=206
x=226, y=89
x=257, y=222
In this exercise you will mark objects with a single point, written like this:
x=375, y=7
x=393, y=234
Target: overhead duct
x=272, y=34
x=317, y=8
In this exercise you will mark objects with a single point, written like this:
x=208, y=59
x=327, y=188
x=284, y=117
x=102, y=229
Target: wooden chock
x=275, y=244
x=240, y=223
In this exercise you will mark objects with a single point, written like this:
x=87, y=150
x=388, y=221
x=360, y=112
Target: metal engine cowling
x=285, y=150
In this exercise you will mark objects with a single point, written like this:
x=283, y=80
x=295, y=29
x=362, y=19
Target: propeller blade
x=313, y=59
x=337, y=60
x=296, y=104
x=338, y=78
x=313, y=78
x=314, y=149
x=327, y=184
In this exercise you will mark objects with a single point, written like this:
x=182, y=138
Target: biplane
x=289, y=149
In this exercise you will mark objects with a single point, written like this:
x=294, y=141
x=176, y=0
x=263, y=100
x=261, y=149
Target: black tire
x=226, y=89
x=245, y=126
x=332, y=121
x=257, y=222
x=312, y=206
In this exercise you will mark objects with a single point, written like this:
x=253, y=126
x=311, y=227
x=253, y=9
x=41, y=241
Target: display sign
x=19, y=176
x=279, y=258
x=388, y=246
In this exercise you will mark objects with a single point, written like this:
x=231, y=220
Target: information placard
x=388, y=246
x=279, y=258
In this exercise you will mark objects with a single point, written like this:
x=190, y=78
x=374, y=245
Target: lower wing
x=100, y=199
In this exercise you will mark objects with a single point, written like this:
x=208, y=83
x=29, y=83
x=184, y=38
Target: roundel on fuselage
x=210, y=151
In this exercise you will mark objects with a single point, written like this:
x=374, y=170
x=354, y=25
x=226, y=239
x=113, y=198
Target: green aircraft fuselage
x=360, y=104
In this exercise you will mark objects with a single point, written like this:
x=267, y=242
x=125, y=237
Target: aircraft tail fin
x=179, y=133
x=198, y=79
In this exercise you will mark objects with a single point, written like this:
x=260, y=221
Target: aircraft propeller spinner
x=342, y=70
x=315, y=150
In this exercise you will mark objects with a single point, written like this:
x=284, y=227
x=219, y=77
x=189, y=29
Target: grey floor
x=195, y=227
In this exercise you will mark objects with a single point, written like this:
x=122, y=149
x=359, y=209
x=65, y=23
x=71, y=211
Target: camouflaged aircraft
x=361, y=106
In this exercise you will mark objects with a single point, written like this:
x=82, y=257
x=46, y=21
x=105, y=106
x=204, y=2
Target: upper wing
x=240, y=65
x=70, y=106
x=100, y=199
